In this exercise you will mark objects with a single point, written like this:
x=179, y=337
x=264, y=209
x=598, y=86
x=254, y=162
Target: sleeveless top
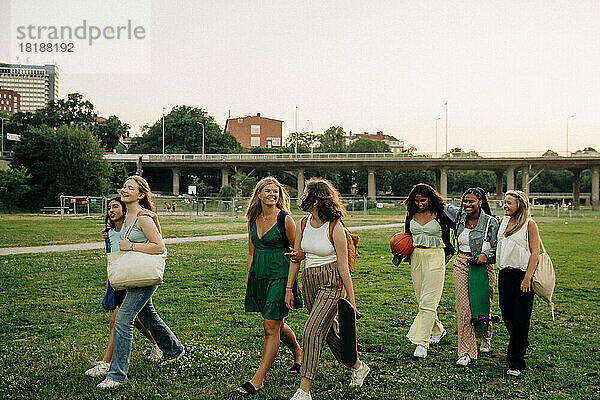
x=114, y=238
x=463, y=241
x=136, y=235
x=428, y=235
x=317, y=246
x=513, y=251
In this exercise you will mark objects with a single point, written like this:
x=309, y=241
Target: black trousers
x=516, y=309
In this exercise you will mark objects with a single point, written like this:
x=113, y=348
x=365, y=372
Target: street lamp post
x=3, y=119
x=436, y=135
x=446, y=104
x=202, y=125
x=568, y=118
x=163, y=131
x=312, y=132
x=296, y=138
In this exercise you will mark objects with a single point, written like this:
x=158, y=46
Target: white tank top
x=463, y=241
x=513, y=251
x=316, y=245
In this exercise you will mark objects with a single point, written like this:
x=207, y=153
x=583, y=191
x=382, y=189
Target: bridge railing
x=330, y=156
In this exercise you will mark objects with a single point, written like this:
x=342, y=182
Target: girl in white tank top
x=513, y=251
x=316, y=245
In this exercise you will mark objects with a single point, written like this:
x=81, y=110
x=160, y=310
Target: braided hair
x=480, y=194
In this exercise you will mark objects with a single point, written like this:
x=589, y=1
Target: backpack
x=544, y=279
x=351, y=240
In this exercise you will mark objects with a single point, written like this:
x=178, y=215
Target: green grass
x=52, y=324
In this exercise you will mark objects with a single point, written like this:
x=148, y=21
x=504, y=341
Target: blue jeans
x=138, y=302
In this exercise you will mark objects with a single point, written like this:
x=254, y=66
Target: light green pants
x=427, y=270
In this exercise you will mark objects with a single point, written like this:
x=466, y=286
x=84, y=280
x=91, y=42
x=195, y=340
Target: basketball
x=401, y=244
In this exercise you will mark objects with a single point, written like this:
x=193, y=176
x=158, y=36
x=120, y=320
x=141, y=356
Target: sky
x=512, y=72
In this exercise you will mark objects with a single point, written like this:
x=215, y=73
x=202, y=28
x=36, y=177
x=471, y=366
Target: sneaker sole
x=174, y=359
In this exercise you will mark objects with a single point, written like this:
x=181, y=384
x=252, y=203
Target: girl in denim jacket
x=474, y=225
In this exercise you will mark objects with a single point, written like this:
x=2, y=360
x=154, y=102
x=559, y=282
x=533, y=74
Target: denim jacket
x=476, y=238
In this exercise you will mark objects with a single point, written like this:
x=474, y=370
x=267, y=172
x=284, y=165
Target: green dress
x=268, y=275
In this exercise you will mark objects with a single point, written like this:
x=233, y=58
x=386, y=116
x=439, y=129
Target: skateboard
x=347, y=320
x=479, y=297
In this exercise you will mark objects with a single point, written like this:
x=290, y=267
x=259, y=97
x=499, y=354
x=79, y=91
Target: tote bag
x=133, y=269
x=486, y=244
x=544, y=279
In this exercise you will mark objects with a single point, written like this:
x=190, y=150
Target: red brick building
x=10, y=101
x=256, y=131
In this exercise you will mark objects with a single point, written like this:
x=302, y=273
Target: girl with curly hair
x=325, y=279
x=429, y=227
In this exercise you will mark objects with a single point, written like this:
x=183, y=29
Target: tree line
x=62, y=146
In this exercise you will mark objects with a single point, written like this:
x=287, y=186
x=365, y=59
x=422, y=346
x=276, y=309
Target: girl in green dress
x=270, y=231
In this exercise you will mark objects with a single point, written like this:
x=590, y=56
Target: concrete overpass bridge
x=299, y=163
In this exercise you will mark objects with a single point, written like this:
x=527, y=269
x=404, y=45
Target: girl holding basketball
x=475, y=226
x=429, y=227
x=517, y=258
x=325, y=279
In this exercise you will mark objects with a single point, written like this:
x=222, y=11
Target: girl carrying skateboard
x=517, y=257
x=114, y=223
x=474, y=226
x=429, y=227
x=325, y=279
x=267, y=274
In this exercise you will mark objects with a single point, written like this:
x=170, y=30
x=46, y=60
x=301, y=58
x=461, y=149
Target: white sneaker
x=486, y=346
x=358, y=376
x=464, y=360
x=301, y=395
x=435, y=339
x=156, y=354
x=110, y=384
x=100, y=369
x=420, y=351
x=172, y=360
x=513, y=372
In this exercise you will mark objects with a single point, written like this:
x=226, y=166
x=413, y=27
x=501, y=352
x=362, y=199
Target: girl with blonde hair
x=145, y=237
x=270, y=231
x=517, y=257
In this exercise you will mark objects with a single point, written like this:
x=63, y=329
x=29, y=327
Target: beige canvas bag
x=133, y=269
x=544, y=279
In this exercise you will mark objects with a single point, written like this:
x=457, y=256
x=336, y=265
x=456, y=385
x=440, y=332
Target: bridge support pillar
x=525, y=179
x=300, y=182
x=224, y=177
x=371, y=187
x=510, y=179
x=138, y=166
x=595, y=188
x=576, y=189
x=499, y=183
x=441, y=183
x=176, y=179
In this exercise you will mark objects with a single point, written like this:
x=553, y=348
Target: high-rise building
x=36, y=84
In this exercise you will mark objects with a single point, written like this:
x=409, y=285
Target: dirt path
x=100, y=245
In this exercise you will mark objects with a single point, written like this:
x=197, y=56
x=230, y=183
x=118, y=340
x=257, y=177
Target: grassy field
x=52, y=323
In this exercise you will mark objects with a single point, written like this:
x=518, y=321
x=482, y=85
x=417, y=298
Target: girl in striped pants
x=325, y=279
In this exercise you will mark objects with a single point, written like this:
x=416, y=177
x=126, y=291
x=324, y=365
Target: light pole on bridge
x=202, y=125
x=3, y=119
x=568, y=118
x=163, y=131
x=436, y=135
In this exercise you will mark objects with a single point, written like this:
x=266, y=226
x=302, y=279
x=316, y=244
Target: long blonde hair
x=522, y=214
x=255, y=207
x=144, y=188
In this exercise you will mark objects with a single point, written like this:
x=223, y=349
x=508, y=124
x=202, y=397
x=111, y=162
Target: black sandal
x=294, y=369
x=248, y=388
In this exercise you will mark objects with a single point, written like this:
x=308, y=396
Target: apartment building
x=37, y=85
